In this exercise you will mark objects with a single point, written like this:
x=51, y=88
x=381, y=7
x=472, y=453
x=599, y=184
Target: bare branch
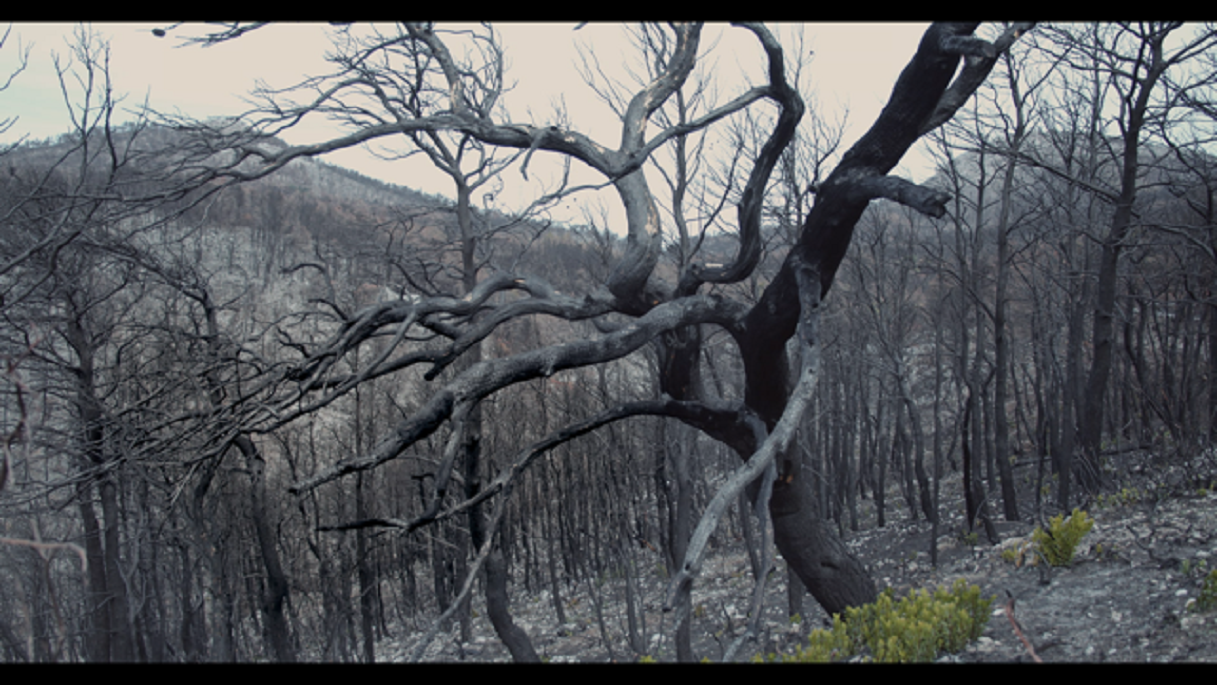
x=975, y=70
x=491, y=375
x=928, y=201
x=752, y=200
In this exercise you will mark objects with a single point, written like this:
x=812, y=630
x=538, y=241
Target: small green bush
x=1125, y=497
x=1208, y=594
x=1057, y=544
x=916, y=628
x=1187, y=567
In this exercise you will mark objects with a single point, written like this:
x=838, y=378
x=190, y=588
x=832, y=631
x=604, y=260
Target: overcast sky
x=854, y=67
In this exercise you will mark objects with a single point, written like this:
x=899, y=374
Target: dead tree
x=633, y=306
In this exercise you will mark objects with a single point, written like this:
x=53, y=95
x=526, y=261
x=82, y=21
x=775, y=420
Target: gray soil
x=1124, y=598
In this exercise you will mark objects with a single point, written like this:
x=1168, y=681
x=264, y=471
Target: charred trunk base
x=817, y=555
x=513, y=637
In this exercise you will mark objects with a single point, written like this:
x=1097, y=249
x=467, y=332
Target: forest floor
x=1123, y=599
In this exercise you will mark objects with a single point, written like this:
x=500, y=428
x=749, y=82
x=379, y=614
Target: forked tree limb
x=777, y=443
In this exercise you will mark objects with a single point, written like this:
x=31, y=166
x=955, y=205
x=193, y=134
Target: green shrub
x=1125, y=497
x=1208, y=594
x=1057, y=544
x=1187, y=567
x=1017, y=552
x=916, y=628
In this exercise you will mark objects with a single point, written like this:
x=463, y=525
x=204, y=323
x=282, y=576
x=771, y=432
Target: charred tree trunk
x=975, y=498
x=107, y=589
x=1150, y=65
x=498, y=606
x=1212, y=310
x=923, y=98
x=497, y=598
x=274, y=597
x=678, y=355
x=363, y=565
x=193, y=630
x=1001, y=342
x=122, y=643
x=923, y=480
x=97, y=606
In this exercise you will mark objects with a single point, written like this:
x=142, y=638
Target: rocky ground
x=1123, y=599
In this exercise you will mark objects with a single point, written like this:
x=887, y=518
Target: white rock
x=985, y=644
x=1191, y=621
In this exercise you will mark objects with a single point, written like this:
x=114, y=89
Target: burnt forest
x=783, y=403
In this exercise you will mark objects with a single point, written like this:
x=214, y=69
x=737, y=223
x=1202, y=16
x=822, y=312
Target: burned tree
x=412, y=81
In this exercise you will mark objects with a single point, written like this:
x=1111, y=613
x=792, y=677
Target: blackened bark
x=150, y=615
x=1001, y=342
x=555, y=582
x=975, y=501
x=923, y=480
x=1071, y=399
x=498, y=606
x=363, y=564
x=635, y=619
x=122, y=643
x=41, y=591
x=193, y=632
x=274, y=597
x=364, y=571
x=1103, y=344
x=682, y=525
x=97, y=606
x=498, y=609
x=1212, y=309
x=834, y=576
x=877, y=468
x=901, y=446
x=107, y=588
x=678, y=355
x=497, y=599
x=937, y=409
x=1151, y=61
x=209, y=549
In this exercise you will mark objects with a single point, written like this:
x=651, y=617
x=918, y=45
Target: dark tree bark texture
x=831, y=574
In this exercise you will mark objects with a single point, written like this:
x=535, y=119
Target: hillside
x=290, y=257
x=1124, y=598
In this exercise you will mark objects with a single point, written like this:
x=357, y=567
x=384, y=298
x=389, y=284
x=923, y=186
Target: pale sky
x=854, y=66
